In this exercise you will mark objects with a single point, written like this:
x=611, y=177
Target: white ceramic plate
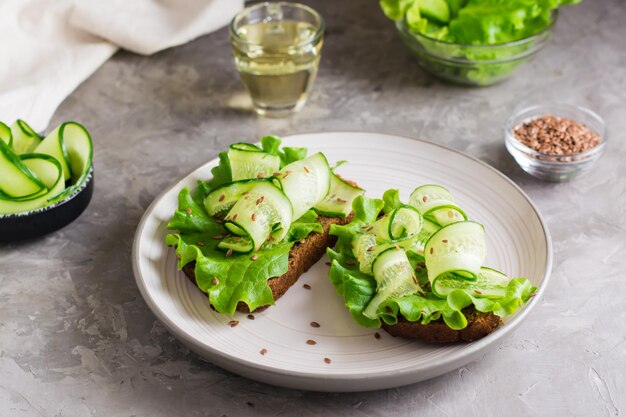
x=517, y=239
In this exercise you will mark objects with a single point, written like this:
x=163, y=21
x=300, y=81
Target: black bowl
x=35, y=223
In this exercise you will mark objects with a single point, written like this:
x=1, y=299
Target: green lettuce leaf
x=395, y=9
x=229, y=280
x=356, y=288
x=474, y=22
x=304, y=226
x=391, y=198
x=366, y=211
x=191, y=216
x=221, y=173
x=428, y=308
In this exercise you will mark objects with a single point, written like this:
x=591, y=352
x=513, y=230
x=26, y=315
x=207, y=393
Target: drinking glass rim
x=319, y=30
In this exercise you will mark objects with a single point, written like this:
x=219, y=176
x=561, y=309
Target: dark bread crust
x=302, y=256
x=479, y=325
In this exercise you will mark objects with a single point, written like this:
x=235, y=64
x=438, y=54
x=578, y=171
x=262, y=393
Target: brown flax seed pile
x=554, y=135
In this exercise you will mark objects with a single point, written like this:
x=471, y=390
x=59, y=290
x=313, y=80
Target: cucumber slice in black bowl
x=41, y=221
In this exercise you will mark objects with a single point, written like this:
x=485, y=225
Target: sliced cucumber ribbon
x=489, y=283
x=262, y=213
x=436, y=204
x=338, y=201
x=250, y=161
x=25, y=139
x=457, y=249
x=50, y=171
x=17, y=180
x=305, y=182
x=400, y=229
x=394, y=277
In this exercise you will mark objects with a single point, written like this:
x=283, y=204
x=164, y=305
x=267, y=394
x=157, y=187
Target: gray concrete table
x=77, y=339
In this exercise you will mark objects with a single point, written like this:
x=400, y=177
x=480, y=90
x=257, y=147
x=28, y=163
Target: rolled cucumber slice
x=25, y=139
x=305, y=182
x=78, y=147
x=366, y=248
x=436, y=204
x=224, y=197
x=394, y=278
x=338, y=201
x=17, y=180
x=263, y=212
x=428, y=229
x=54, y=146
x=402, y=223
x=490, y=283
x=47, y=167
x=458, y=249
x=250, y=161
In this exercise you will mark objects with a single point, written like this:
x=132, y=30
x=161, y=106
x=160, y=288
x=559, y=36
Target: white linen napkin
x=50, y=47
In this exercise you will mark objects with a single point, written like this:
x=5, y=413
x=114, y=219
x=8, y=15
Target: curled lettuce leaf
x=428, y=308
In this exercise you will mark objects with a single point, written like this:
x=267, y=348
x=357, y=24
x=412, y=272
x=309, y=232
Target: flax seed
x=377, y=335
x=188, y=210
x=253, y=217
x=229, y=252
x=315, y=324
x=254, y=257
x=233, y=323
x=235, y=217
x=311, y=342
x=260, y=200
x=306, y=170
x=556, y=136
x=215, y=281
x=200, y=243
x=250, y=316
x=222, y=197
x=424, y=199
x=263, y=351
x=307, y=286
x=327, y=360
x=432, y=250
x=260, y=175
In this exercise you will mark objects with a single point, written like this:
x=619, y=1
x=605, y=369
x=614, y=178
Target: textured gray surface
x=76, y=338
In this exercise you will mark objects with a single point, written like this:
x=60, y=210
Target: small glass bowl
x=474, y=65
x=555, y=167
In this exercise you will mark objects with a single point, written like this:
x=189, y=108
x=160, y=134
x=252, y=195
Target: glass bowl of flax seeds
x=555, y=142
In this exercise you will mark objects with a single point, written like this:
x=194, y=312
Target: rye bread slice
x=302, y=256
x=479, y=325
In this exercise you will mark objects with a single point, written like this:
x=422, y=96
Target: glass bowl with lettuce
x=474, y=42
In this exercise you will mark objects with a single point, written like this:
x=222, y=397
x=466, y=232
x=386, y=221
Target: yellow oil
x=277, y=62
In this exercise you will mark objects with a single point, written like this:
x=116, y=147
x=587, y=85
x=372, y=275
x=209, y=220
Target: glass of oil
x=277, y=49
